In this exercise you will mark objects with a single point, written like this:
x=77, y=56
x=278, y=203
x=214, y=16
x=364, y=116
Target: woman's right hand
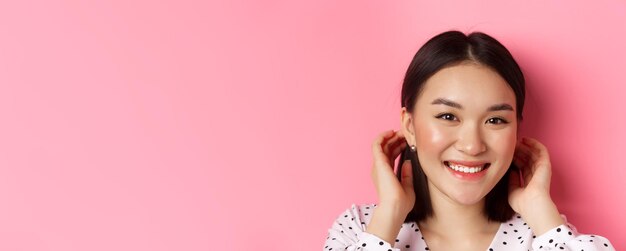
x=396, y=199
x=392, y=193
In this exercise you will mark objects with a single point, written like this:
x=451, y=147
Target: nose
x=470, y=141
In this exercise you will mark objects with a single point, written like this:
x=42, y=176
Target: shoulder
x=358, y=217
x=559, y=237
x=358, y=213
x=517, y=223
x=516, y=234
x=350, y=223
x=516, y=228
x=348, y=231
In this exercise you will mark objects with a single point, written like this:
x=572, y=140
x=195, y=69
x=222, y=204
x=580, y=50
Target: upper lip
x=467, y=163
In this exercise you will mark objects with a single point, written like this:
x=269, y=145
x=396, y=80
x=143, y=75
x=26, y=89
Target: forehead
x=469, y=84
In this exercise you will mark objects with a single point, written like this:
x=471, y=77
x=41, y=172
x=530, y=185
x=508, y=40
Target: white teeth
x=465, y=169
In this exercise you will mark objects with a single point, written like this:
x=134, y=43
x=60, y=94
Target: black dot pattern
x=349, y=232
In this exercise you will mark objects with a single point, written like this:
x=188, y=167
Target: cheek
x=431, y=137
x=504, y=143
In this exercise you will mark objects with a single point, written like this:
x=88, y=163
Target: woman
x=458, y=186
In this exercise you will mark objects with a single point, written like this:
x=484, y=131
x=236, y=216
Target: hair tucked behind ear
x=444, y=50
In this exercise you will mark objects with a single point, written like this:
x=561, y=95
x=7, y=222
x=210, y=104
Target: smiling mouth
x=466, y=169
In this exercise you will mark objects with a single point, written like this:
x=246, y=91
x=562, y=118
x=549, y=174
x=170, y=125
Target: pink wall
x=186, y=125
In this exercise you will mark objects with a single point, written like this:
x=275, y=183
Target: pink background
x=187, y=125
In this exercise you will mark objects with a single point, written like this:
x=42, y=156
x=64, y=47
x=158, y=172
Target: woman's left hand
x=530, y=196
x=532, y=158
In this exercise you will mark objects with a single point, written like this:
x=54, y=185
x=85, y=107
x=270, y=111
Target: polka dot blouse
x=348, y=233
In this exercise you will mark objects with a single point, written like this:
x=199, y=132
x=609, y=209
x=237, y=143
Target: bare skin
x=444, y=233
x=468, y=133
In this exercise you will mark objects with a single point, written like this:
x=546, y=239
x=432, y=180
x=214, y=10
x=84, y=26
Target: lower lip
x=466, y=176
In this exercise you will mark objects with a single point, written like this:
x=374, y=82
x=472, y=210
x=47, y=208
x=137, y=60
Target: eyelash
x=441, y=116
x=448, y=115
x=502, y=121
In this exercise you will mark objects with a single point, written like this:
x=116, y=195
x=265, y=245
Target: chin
x=467, y=198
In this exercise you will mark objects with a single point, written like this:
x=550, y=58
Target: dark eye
x=446, y=116
x=497, y=121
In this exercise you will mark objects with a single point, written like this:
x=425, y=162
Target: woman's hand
x=396, y=199
x=391, y=192
x=530, y=196
x=534, y=163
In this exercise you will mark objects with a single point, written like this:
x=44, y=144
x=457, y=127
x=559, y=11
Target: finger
x=521, y=155
x=525, y=152
x=527, y=173
x=540, y=157
x=541, y=167
x=397, y=139
x=521, y=162
x=379, y=140
x=397, y=142
x=540, y=149
x=407, y=176
x=390, y=142
x=382, y=136
x=523, y=149
x=398, y=149
x=394, y=148
x=377, y=149
x=530, y=144
x=533, y=145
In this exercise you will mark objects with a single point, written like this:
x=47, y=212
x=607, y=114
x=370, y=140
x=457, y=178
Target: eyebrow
x=497, y=107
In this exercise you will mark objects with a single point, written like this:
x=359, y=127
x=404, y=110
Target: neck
x=451, y=217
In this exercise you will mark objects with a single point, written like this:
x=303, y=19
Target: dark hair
x=444, y=50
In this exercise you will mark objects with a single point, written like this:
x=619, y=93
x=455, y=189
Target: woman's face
x=465, y=130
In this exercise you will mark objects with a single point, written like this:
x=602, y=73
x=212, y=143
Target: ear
x=406, y=125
